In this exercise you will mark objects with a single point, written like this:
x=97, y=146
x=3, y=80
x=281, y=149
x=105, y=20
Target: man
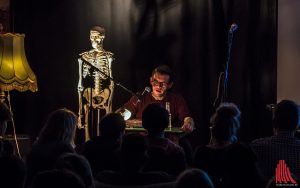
x=283, y=145
x=164, y=154
x=103, y=151
x=161, y=81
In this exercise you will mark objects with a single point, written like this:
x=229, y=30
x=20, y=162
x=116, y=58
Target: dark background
x=188, y=35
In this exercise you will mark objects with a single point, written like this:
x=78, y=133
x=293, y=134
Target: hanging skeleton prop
x=95, y=87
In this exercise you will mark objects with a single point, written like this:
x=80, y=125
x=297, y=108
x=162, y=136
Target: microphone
x=140, y=96
x=233, y=28
x=146, y=90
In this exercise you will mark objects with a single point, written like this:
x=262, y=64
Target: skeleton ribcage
x=99, y=71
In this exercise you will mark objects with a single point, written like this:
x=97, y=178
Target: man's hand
x=188, y=124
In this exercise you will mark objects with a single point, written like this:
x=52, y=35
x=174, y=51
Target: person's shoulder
x=260, y=141
x=173, y=147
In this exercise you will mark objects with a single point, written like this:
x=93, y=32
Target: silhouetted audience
x=228, y=162
x=12, y=172
x=103, y=152
x=193, y=178
x=55, y=139
x=133, y=159
x=164, y=155
x=77, y=164
x=58, y=179
x=283, y=145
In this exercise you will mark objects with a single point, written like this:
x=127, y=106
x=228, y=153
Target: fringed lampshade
x=15, y=72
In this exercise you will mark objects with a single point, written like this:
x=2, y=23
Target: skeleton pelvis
x=99, y=99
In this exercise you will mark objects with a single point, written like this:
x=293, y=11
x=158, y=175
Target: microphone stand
x=222, y=89
x=111, y=79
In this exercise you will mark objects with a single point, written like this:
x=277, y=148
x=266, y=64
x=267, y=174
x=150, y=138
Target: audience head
x=193, y=178
x=225, y=122
x=60, y=127
x=286, y=115
x=112, y=126
x=77, y=164
x=58, y=179
x=155, y=119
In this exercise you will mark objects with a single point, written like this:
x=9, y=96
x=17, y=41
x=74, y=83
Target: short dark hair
x=112, y=125
x=155, y=118
x=194, y=178
x=164, y=69
x=77, y=164
x=286, y=115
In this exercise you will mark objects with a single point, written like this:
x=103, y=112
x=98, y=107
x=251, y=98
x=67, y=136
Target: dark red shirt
x=178, y=107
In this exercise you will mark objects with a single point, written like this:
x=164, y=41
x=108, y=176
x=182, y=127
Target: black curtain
x=190, y=36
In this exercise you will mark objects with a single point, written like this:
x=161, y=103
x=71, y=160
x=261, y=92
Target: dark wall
x=190, y=36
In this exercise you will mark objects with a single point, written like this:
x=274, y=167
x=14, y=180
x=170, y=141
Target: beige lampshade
x=15, y=72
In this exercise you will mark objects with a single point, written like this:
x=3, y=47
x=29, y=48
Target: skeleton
x=96, y=66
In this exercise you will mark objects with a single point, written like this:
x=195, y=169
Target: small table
x=173, y=133
x=173, y=130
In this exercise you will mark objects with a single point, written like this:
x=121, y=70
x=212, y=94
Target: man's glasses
x=160, y=84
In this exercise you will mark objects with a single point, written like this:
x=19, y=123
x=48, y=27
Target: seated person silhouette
x=103, y=152
x=228, y=162
x=283, y=145
x=56, y=138
x=77, y=164
x=133, y=159
x=164, y=155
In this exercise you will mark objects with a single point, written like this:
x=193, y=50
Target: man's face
x=160, y=84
